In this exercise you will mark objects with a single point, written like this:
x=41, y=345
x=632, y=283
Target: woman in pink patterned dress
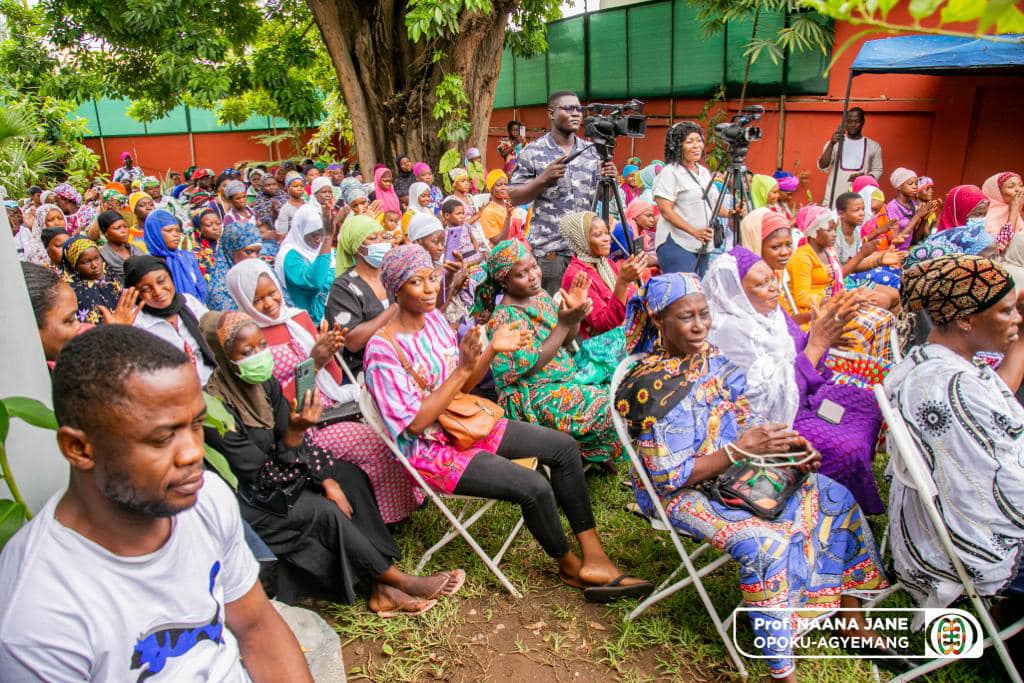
x=292, y=339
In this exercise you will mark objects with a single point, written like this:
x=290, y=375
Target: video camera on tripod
x=606, y=122
x=737, y=133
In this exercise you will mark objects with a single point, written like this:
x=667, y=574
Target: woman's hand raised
x=301, y=420
x=328, y=342
x=510, y=338
x=126, y=311
x=470, y=349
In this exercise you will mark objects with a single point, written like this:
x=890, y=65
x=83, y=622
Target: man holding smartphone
x=555, y=187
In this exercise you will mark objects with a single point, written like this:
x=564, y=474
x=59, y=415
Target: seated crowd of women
x=772, y=352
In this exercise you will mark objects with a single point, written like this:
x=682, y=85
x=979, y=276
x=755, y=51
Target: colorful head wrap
x=493, y=177
x=634, y=161
x=499, y=263
x=967, y=241
x=472, y=153
x=952, y=288
x=234, y=187
x=125, y=155
x=112, y=195
x=660, y=292
x=354, y=232
x=292, y=176
x=900, y=176
x=629, y=169
x=65, y=191
x=862, y=181
x=923, y=182
x=333, y=167
x=73, y=250
x=812, y=218
x=456, y=173
x=760, y=187
x=116, y=186
x=150, y=181
x=236, y=237
x=960, y=201
x=420, y=168
x=351, y=190
x=198, y=215
x=788, y=183
x=400, y=264
x=647, y=175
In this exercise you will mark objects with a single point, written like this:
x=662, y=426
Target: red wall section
x=955, y=129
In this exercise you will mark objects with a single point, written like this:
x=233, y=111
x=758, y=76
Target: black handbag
x=762, y=491
x=278, y=500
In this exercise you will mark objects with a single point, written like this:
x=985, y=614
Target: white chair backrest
x=620, y=373
x=371, y=414
x=907, y=463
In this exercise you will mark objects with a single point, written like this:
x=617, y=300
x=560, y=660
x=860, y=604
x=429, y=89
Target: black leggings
x=491, y=475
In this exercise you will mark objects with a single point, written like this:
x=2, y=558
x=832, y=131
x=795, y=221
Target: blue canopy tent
x=933, y=56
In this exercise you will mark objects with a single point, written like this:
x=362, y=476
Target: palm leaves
x=24, y=158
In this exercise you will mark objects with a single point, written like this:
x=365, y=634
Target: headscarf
x=760, y=186
x=759, y=344
x=351, y=190
x=125, y=156
x=499, y=263
x=319, y=183
x=134, y=199
x=952, y=288
x=757, y=225
x=812, y=218
x=960, y=201
x=967, y=241
x=900, y=176
x=388, y=199
x=354, y=232
x=457, y=173
x=112, y=195
x=634, y=161
x=862, y=181
x=236, y=237
x=399, y=265
x=660, y=292
x=415, y=190
x=647, y=175
x=234, y=187
x=73, y=250
x=575, y=228
x=307, y=219
x=149, y=181
x=35, y=248
x=183, y=266
x=65, y=191
x=867, y=193
x=423, y=225
x=419, y=168
x=789, y=183
x=494, y=176
x=923, y=182
x=219, y=330
x=634, y=209
x=998, y=211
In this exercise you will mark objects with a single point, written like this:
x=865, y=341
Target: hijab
x=575, y=228
x=308, y=219
x=659, y=293
x=415, y=190
x=236, y=237
x=998, y=210
x=242, y=280
x=35, y=250
x=138, y=266
x=760, y=186
x=182, y=265
x=759, y=344
x=757, y=225
x=388, y=199
x=499, y=263
x=219, y=330
x=354, y=232
x=960, y=201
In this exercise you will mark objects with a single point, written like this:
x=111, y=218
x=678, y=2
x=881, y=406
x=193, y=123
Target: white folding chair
x=910, y=468
x=692, y=575
x=460, y=523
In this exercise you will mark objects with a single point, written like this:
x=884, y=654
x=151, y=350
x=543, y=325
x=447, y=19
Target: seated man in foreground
x=134, y=571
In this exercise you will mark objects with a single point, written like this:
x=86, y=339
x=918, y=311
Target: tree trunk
x=388, y=81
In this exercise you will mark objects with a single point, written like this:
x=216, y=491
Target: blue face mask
x=976, y=222
x=375, y=253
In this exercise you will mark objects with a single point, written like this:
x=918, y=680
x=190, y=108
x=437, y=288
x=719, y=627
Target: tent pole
x=837, y=158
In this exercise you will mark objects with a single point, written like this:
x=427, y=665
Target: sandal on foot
x=402, y=612
x=460, y=578
x=615, y=590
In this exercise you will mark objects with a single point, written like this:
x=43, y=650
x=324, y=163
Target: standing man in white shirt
x=861, y=155
x=138, y=571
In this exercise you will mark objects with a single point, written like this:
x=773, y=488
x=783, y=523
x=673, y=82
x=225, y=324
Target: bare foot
x=435, y=585
x=388, y=599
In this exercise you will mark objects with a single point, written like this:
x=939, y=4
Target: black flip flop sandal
x=614, y=590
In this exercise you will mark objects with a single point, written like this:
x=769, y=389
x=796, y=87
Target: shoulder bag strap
x=387, y=336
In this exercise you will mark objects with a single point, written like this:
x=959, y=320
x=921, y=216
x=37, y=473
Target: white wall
x=38, y=467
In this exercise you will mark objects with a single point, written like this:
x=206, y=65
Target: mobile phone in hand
x=305, y=381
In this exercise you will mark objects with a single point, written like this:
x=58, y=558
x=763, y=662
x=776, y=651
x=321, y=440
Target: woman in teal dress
x=684, y=403
x=543, y=384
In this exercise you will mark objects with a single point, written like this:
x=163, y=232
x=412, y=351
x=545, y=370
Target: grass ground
x=552, y=634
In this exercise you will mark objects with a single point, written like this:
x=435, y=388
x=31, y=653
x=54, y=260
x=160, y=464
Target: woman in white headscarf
x=419, y=203
x=292, y=338
x=305, y=261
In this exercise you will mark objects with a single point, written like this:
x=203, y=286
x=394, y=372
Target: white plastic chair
x=910, y=468
x=460, y=523
x=661, y=523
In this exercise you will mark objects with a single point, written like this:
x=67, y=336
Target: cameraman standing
x=555, y=187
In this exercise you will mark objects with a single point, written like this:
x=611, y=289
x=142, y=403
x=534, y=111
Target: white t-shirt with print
x=687, y=195
x=70, y=610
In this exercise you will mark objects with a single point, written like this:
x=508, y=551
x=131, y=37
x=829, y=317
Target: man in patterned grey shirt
x=554, y=187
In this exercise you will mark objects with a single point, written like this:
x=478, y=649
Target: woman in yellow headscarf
x=495, y=213
x=764, y=191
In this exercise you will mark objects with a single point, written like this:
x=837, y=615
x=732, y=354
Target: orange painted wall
x=955, y=129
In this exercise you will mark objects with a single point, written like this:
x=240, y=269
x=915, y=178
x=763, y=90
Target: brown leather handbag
x=468, y=418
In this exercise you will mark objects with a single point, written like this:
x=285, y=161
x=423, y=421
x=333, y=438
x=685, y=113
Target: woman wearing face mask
x=168, y=313
x=305, y=261
x=357, y=299
x=292, y=338
x=316, y=513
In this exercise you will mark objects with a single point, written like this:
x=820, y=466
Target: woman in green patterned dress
x=542, y=383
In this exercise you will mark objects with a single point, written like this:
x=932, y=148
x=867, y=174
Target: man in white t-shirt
x=138, y=571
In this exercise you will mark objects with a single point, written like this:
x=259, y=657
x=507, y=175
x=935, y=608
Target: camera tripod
x=736, y=184
x=606, y=192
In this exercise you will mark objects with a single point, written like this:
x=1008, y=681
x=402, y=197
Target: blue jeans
x=672, y=258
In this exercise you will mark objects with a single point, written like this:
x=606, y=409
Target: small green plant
x=14, y=512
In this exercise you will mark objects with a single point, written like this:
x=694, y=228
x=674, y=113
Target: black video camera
x=738, y=133
x=605, y=122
